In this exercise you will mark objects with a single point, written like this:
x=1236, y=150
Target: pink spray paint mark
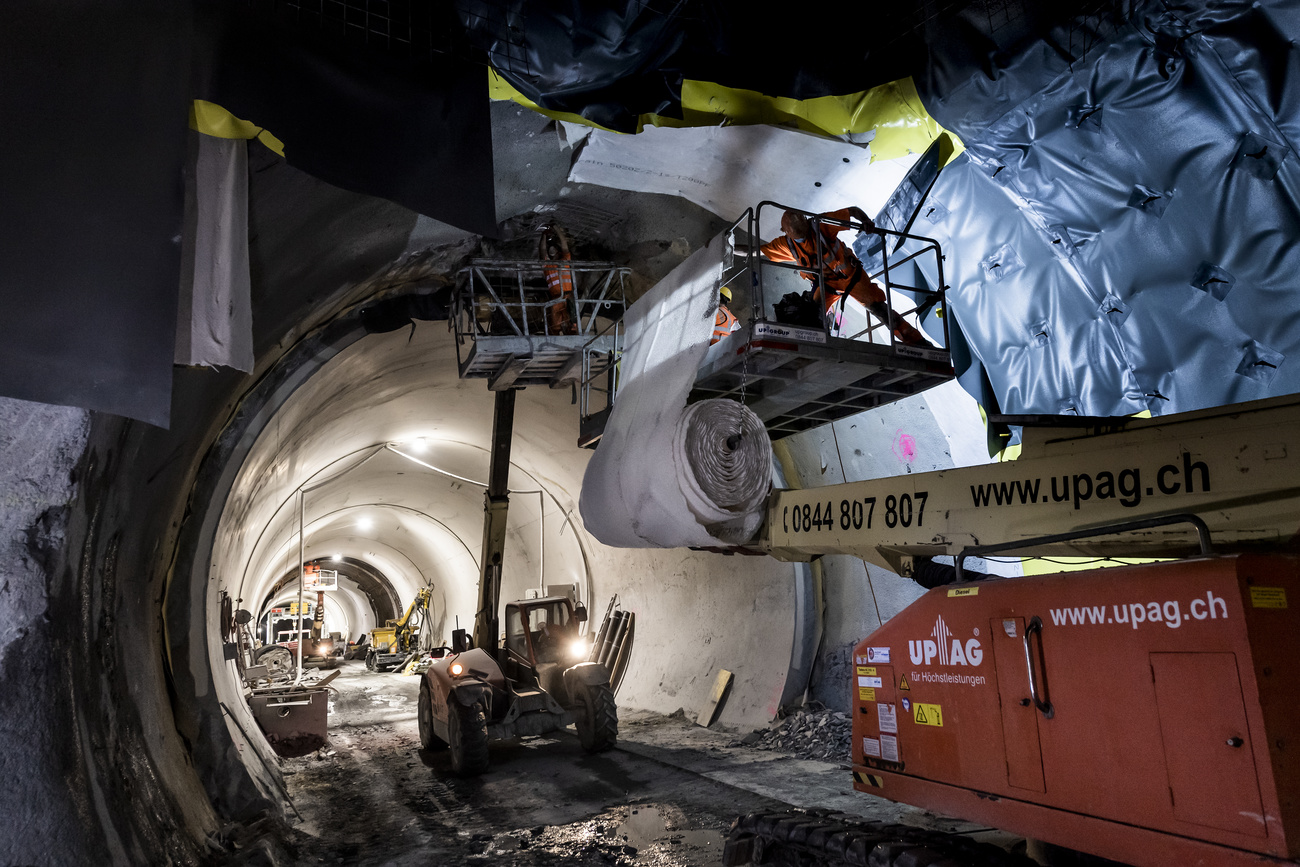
x=904, y=447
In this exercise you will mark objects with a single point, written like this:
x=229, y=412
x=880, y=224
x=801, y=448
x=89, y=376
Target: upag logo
x=943, y=647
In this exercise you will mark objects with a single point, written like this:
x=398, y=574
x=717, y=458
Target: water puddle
x=644, y=827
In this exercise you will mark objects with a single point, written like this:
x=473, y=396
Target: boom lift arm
x=1236, y=467
x=1142, y=714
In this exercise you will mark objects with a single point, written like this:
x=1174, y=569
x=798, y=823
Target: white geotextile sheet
x=665, y=475
x=729, y=169
x=214, y=324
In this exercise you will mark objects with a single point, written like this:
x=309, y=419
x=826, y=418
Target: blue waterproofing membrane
x=1125, y=238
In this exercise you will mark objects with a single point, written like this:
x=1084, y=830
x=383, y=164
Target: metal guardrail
x=504, y=312
x=881, y=265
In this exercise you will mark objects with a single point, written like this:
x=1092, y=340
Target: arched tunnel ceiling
x=418, y=522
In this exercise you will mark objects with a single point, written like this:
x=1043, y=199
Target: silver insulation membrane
x=1124, y=239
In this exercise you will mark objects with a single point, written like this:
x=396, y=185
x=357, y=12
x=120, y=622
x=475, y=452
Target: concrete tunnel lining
x=677, y=595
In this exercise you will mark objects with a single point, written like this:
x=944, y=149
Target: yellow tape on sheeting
x=211, y=119
x=894, y=111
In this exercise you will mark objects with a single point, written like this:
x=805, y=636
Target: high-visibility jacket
x=839, y=270
x=723, y=324
x=559, y=283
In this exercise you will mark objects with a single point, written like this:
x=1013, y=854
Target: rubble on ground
x=809, y=733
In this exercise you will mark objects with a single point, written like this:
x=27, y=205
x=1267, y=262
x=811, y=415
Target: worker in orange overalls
x=725, y=322
x=840, y=271
x=553, y=247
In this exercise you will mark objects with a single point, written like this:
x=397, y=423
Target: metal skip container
x=294, y=722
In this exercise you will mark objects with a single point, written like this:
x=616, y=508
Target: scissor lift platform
x=797, y=378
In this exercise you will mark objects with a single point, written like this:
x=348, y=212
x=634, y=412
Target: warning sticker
x=963, y=591
x=871, y=747
x=902, y=683
x=888, y=718
x=866, y=694
x=928, y=714
x=865, y=669
x=889, y=748
x=871, y=681
x=1268, y=597
x=878, y=654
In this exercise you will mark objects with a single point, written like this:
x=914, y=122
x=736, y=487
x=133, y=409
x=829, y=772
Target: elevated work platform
x=797, y=378
x=515, y=331
x=818, y=368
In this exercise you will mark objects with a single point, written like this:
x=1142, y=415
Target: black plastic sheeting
x=611, y=62
x=414, y=130
x=95, y=100
x=1124, y=237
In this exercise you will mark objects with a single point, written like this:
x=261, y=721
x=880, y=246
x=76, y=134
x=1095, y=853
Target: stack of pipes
x=613, y=644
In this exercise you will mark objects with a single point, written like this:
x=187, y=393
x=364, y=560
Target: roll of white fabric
x=666, y=475
x=723, y=460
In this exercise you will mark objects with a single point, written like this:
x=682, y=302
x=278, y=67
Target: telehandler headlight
x=456, y=669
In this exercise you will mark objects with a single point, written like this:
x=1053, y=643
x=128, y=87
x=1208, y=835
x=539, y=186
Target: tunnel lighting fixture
x=456, y=669
x=337, y=557
x=419, y=446
x=364, y=524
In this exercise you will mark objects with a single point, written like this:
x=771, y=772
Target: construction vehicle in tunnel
x=537, y=681
x=1142, y=713
x=394, y=642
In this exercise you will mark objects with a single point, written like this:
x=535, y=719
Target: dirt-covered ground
x=664, y=798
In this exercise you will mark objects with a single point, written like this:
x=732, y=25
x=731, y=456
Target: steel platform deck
x=799, y=378
x=512, y=361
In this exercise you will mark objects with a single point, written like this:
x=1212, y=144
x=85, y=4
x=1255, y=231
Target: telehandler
x=538, y=681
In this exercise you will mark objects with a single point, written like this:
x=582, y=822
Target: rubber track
x=825, y=839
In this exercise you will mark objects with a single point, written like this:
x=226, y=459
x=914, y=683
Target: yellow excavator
x=392, y=643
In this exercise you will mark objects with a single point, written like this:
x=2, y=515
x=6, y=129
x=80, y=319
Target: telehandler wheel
x=468, y=738
x=371, y=662
x=597, y=718
x=428, y=740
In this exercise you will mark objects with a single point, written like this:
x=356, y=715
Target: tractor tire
x=370, y=661
x=597, y=718
x=428, y=740
x=468, y=738
x=278, y=660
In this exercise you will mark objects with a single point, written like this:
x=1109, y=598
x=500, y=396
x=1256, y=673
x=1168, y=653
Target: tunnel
x=351, y=443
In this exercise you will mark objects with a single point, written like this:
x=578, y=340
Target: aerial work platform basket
x=515, y=331
x=808, y=371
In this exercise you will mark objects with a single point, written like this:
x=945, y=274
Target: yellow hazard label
x=869, y=779
x=1268, y=597
x=964, y=591
x=927, y=714
x=902, y=683
x=866, y=693
x=867, y=670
